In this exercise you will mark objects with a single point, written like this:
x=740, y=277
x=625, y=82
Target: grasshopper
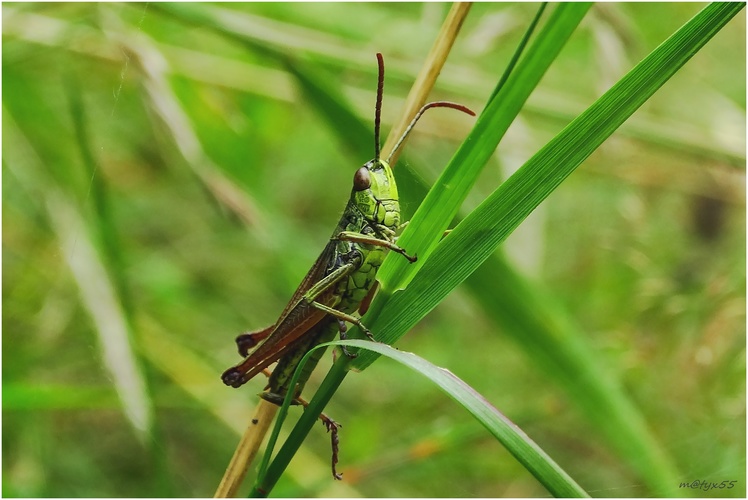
x=340, y=282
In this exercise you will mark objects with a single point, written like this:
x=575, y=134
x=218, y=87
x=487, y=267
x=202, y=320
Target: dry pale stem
x=427, y=77
x=246, y=449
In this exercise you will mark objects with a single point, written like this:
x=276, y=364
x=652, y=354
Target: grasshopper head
x=375, y=193
x=374, y=190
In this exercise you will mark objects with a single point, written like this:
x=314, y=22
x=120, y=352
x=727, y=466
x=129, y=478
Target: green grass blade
x=332, y=381
x=524, y=449
x=478, y=236
x=518, y=52
x=532, y=68
x=482, y=231
x=105, y=233
x=553, y=341
x=88, y=268
x=611, y=429
x=488, y=225
x=642, y=328
x=519, y=444
x=443, y=202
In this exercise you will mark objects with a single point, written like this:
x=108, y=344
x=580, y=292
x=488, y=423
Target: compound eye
x=361, y=179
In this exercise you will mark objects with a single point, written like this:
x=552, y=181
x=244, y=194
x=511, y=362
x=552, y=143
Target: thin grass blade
x=482, y=231
x=519, y=444
x=478, y=236
x=443, y=202
x=98, y=295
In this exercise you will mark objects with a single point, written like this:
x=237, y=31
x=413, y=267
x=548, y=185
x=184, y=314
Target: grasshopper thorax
x=375, y=193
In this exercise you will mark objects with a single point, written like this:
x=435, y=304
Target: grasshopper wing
x=298, y=317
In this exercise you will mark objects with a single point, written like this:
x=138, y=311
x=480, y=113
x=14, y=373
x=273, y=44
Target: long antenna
x=435, y=104
x=378, y=109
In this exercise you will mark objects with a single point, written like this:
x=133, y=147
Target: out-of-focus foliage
x=165, y=188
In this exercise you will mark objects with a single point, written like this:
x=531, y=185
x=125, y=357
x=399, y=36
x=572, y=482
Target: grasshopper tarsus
x=368, y=333
x=331, y=425
x=401, y=251
x=342, y=329
x=233, y=378
x=248, y=340
x=348, y=354
x=244, y=343
x=332, y=428
x=373, y=240
x=277, y=399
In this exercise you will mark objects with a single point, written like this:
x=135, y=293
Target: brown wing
x=296, y=320
x=316, y=273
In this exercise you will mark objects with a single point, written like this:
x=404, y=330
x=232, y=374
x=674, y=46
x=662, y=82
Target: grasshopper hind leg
x=233, y=377
x=246, y=341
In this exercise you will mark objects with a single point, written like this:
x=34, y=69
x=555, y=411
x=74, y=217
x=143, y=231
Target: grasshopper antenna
x=378, y=108
x=435, y=104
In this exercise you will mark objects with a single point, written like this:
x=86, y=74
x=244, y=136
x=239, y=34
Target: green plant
x=202, y=148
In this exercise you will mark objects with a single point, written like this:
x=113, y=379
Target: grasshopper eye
x=361, y=179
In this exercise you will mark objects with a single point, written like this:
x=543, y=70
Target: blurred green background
x=165, y=188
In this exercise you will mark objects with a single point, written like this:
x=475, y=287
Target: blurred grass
x=644, y=246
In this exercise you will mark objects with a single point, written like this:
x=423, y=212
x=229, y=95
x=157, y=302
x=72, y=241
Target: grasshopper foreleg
x=373, y=240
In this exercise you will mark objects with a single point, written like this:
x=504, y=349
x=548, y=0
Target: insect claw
x=248, y=340
x=244, y=343
x=349, y=354
x=332, y=428
x=233, y=378
x=331, y=425
x=276, y=399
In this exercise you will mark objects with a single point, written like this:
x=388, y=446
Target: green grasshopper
x=340, y=282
